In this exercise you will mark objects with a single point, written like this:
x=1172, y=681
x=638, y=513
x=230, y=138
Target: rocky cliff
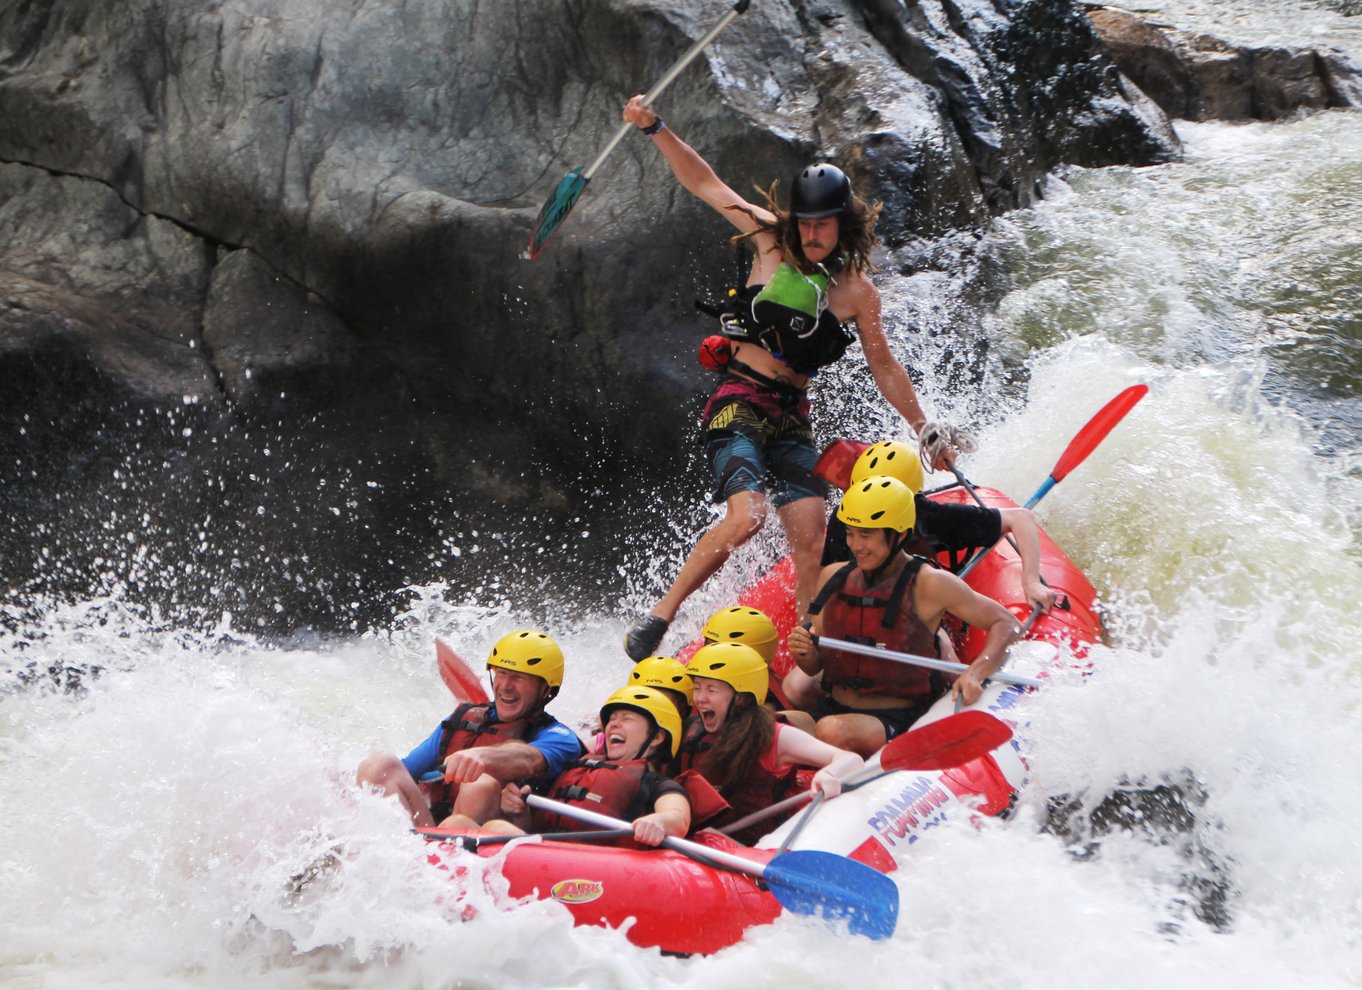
x=263, y=299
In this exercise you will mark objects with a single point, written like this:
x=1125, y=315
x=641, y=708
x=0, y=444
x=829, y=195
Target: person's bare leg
x=744, y=515
x=862, y=734
x=805, y=524
x=801, y=690
x=385, y=772
x=496, y=826
x=479, y=799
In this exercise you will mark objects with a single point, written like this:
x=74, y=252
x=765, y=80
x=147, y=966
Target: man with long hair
x=809, y=278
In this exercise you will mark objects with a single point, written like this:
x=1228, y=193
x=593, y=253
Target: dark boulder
x=290, y=222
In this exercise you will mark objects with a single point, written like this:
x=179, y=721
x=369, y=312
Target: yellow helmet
x=529, y=652
x=736, y=664
x=741, y=624
x=668, y=673
x=892, y=458
x=652, y=703
x=879, y=502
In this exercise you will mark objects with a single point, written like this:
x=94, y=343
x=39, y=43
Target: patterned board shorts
x=759, y=439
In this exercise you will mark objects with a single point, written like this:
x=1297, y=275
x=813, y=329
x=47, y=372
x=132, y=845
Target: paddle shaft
x=477, y=841
x=664, y=82
x=736, y=863
x=949, y=666
x=974, y=561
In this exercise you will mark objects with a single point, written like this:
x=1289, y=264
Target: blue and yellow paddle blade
x=556, y=209
x=809, y=881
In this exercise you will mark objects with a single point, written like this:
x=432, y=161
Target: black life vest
x=883, y=616
x=623, y=790
x=789, y=317
x=760, y=788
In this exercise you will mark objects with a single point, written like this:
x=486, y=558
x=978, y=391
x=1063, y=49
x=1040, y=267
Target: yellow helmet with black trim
x=652, y=703
x=528, y=651
x=666, y=673
x=736, y=664
x=743, y=624
x=879, y=502
x=892, y=458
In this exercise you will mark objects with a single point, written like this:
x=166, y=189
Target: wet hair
x=746, y=734
x=855, y=233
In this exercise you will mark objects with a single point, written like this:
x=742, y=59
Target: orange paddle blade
x=457, y=675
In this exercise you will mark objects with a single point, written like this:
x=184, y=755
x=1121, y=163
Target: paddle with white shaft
x=931, y=663
x=804, y=882
x=478, y=841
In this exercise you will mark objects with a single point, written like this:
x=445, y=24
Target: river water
x=152, y=819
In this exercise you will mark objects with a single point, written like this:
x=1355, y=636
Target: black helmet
x=821, y=190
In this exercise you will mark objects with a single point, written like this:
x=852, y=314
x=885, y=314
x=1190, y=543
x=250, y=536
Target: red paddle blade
x=1097, y=429
x=457, y=675
x=556, y=209
x=953, y=740
x=838, y=458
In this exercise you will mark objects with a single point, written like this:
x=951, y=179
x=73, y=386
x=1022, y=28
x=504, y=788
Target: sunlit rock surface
x=1196, y=77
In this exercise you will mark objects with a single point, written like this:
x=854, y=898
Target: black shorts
x=896, y=721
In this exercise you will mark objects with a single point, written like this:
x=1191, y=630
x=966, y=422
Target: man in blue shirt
x=483, y=747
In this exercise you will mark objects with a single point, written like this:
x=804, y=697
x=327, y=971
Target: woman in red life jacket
x=642, y=732
x=885, y=597
x=737, y=744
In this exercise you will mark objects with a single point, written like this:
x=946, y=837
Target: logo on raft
x=577, y=891
x=912, y=809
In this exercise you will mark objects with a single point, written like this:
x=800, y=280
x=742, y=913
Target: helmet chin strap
x=648, y=743
x=895, y=543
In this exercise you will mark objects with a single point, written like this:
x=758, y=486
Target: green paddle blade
x=808, y=881
x=556, y=209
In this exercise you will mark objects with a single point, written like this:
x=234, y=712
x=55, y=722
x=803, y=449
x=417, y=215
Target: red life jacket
x=761, y=787
x=623, y=790
x=883, y=616
x=468, y=728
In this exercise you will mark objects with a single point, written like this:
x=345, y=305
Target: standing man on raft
x=809, y=277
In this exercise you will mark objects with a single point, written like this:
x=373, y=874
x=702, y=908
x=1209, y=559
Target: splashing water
x=156, y=812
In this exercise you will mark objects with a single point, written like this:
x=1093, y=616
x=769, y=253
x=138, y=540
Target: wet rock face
x=1197, y=77
x=280, y=213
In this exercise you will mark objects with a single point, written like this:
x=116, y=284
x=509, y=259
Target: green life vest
x=789, y=316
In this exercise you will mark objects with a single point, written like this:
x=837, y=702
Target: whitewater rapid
x=153, y=818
